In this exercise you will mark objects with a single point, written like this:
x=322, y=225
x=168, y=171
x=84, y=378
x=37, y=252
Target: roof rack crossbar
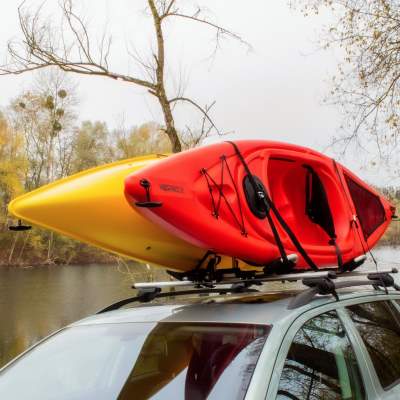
x=294, y=277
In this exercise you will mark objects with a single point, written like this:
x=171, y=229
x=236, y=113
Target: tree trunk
x=49, y=248
x=13, y=248
x=21, y=253
x=169, y=123
x=160, y=87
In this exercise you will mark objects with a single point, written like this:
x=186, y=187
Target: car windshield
x=138, y=360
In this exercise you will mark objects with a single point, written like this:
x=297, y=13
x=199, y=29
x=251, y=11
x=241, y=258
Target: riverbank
x=39, y=247
x=87, y=258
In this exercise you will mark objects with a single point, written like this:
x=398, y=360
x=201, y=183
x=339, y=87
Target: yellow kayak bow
x=91, y=207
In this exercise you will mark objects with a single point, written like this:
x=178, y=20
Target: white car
x=238, y=344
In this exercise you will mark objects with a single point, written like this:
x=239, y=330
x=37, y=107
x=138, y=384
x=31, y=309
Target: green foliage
x=392, y=235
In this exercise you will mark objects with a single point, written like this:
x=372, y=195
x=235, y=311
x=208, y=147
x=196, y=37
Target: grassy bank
x=39, y=247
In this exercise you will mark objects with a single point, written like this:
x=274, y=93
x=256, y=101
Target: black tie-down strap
x=269, y=205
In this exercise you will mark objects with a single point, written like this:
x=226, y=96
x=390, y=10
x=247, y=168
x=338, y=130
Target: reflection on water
x=37, y=301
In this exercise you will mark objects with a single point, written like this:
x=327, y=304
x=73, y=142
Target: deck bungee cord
x=216, y=205
x=261, y=193
x=211, y=183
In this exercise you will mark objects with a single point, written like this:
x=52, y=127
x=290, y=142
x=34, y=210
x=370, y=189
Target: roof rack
x=323, y=286
x=321, y=282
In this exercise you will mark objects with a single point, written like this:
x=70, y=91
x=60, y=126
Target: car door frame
x=368, y=374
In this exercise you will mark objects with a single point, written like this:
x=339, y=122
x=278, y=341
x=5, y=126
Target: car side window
x=321, y=364
x=379, y=326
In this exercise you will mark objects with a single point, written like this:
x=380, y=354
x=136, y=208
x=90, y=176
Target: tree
x=367, y=85
x=72, y=49
x=140, y=140
x=13, y=165
x=44, y=116
x=91, y=146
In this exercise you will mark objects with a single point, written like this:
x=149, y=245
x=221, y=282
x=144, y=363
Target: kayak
x=91, y=207
x=259, y=200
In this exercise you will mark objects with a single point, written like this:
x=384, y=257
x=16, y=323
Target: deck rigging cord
x=216, y=205
x=269, y=205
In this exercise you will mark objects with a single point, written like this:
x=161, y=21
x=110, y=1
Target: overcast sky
x=274, y=92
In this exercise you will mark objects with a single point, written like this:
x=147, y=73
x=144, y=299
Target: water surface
x=38, y=300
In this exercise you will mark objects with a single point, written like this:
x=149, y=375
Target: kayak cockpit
x=308, y=199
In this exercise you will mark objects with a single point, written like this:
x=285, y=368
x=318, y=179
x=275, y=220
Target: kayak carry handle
x=148, y=203
x=19, y=227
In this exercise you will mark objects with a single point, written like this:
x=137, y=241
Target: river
x=36, y=301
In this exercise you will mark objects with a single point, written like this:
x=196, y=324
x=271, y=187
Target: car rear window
x=139, y=360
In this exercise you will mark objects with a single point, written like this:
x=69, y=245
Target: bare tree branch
x=71, y=49
x=367, y=85
x=40, y=50
x=201, y=109
x=220, y=30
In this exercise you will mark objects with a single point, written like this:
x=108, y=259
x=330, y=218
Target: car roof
x=251, y=308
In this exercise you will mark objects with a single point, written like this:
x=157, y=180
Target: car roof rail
x=148, y=294
x=321, y=282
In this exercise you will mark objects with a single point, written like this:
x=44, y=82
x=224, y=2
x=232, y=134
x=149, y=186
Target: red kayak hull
x=206, y=200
